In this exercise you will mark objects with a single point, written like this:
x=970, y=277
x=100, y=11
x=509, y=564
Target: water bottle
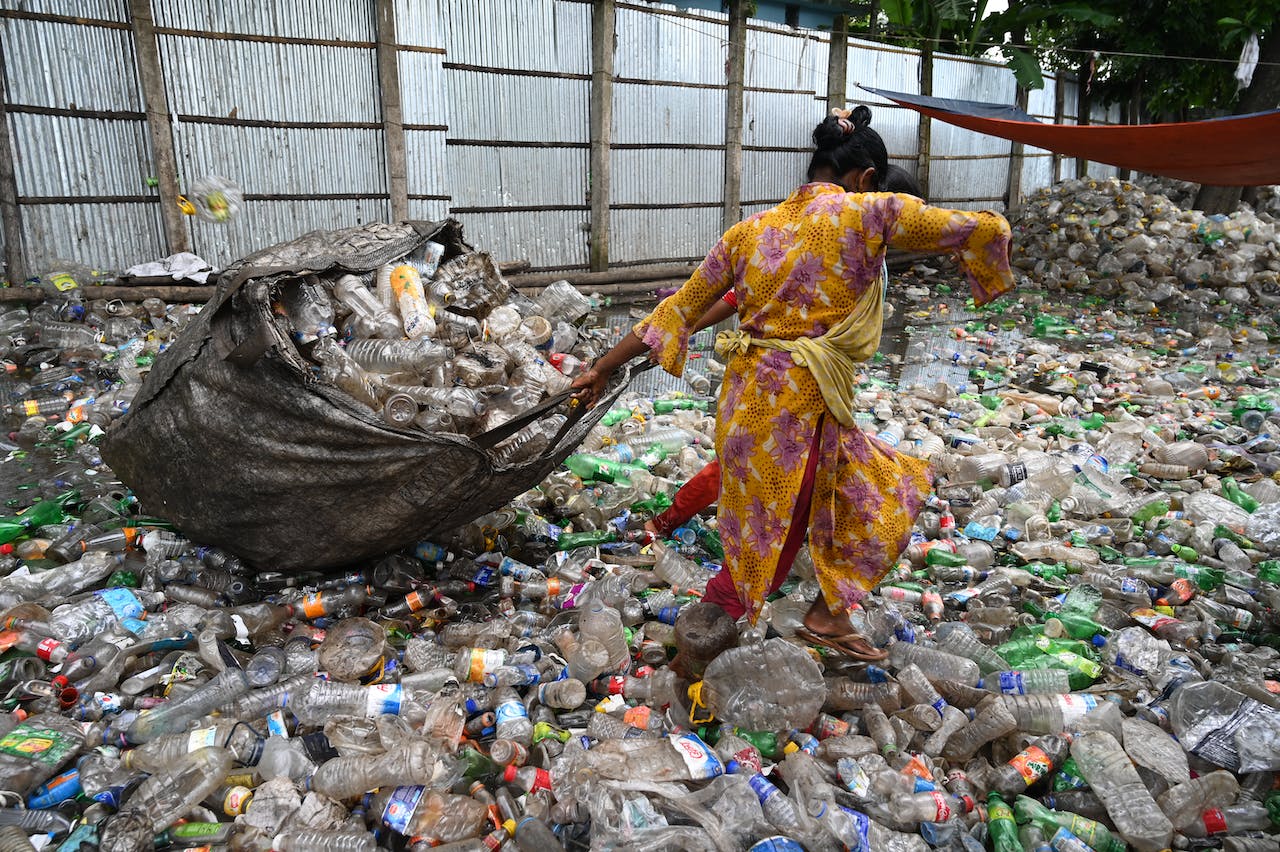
x=393, y=356
x=374, y=319
x=675, y=757
x=789, y=697
x=1027, y=682
x=957, y=638
x=341, y=778
x=419, y=811
x=1112, y=777
x=309, y=310
x=512, y=717
x=338, y=369
x=152, y=757
x=1184, y=803
x=164, y=798
x=299, y=840
x=995, y=720
x=604, y=624
x=408, y=297
x=934, y=662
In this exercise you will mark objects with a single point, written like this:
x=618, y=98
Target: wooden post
x=1084, y=105
x=1059, y=111
x=392, y=110
x=838, y=63
x=925, y=136
x=736, y=68
x=177, y=236
x=603, y=15
x=10, y=213
x=1013, y=199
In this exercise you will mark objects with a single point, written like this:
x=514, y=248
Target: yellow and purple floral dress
x=799, y=270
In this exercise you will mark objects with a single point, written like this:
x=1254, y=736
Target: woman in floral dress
x=807, y=279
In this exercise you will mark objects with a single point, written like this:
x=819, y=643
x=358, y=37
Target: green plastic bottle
x=1082, y=598
x=44, y=513
x=942, y=556
x=1233, y=492
x=1269, y=570
x=654, y=505
x=1001, y=825
x=666, y=406
x=766, y=742
x=1095, y=834
x=476, y=765
x=1154, y=509
x=595, y=469
x=586, y=538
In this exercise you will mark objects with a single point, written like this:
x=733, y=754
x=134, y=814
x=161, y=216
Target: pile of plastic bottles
x=1115, y=239
x=442, y=348
x=1083, y=646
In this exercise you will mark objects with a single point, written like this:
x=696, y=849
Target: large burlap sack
x=234, y=439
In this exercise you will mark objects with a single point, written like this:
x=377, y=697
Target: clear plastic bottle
x=956, y=637
x=340, y=370
x=244, y=744
x=68, y=335
x=375, y=320
x=421, y=355
x=845, y=694
x=406, y=288
x=512, y=717
x=416, y=811
x=992, y=721
x=164, y=798
x=309, y=310
x=328, y=698
x=676, y=757
x=413, y=762
x=296, y=840
x=1185, y=802
x=173, y=716
x=1028, y=682
x=934, y=662
x=679, y=573
x=1048, y=714
x=790, y=697
x=1112, y=777
x=604, y=624
x=857, y=831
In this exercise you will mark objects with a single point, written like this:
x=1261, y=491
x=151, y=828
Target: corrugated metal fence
x=284, y=99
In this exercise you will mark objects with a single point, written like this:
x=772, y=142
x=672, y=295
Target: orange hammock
x=1239, y=150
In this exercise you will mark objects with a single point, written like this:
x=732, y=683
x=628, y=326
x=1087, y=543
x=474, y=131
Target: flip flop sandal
x=851, y=645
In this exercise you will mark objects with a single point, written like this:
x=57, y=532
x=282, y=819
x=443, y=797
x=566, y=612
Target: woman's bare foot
x=820, y=620
x=835, y=632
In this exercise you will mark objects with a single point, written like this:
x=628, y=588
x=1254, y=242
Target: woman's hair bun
x=861, y=117
x=829, y=133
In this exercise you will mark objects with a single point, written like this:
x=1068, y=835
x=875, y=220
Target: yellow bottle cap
x=790, y=748
x=510, y=826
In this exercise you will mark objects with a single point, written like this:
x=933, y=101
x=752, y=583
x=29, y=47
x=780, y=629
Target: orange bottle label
x=1032, y=764
x=415, y=601
x=313, y=605
x=638, y=716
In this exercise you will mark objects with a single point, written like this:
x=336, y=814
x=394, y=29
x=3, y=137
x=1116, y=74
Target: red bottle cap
x=509, y=774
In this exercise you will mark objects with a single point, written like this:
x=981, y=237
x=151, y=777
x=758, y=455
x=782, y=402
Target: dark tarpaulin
x=1238, y=150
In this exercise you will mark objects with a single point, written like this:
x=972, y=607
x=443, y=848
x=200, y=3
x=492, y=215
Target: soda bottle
x=1001, y=825
x=1031, y=764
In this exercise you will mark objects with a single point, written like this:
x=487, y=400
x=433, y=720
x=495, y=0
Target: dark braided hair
x=843, y=144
